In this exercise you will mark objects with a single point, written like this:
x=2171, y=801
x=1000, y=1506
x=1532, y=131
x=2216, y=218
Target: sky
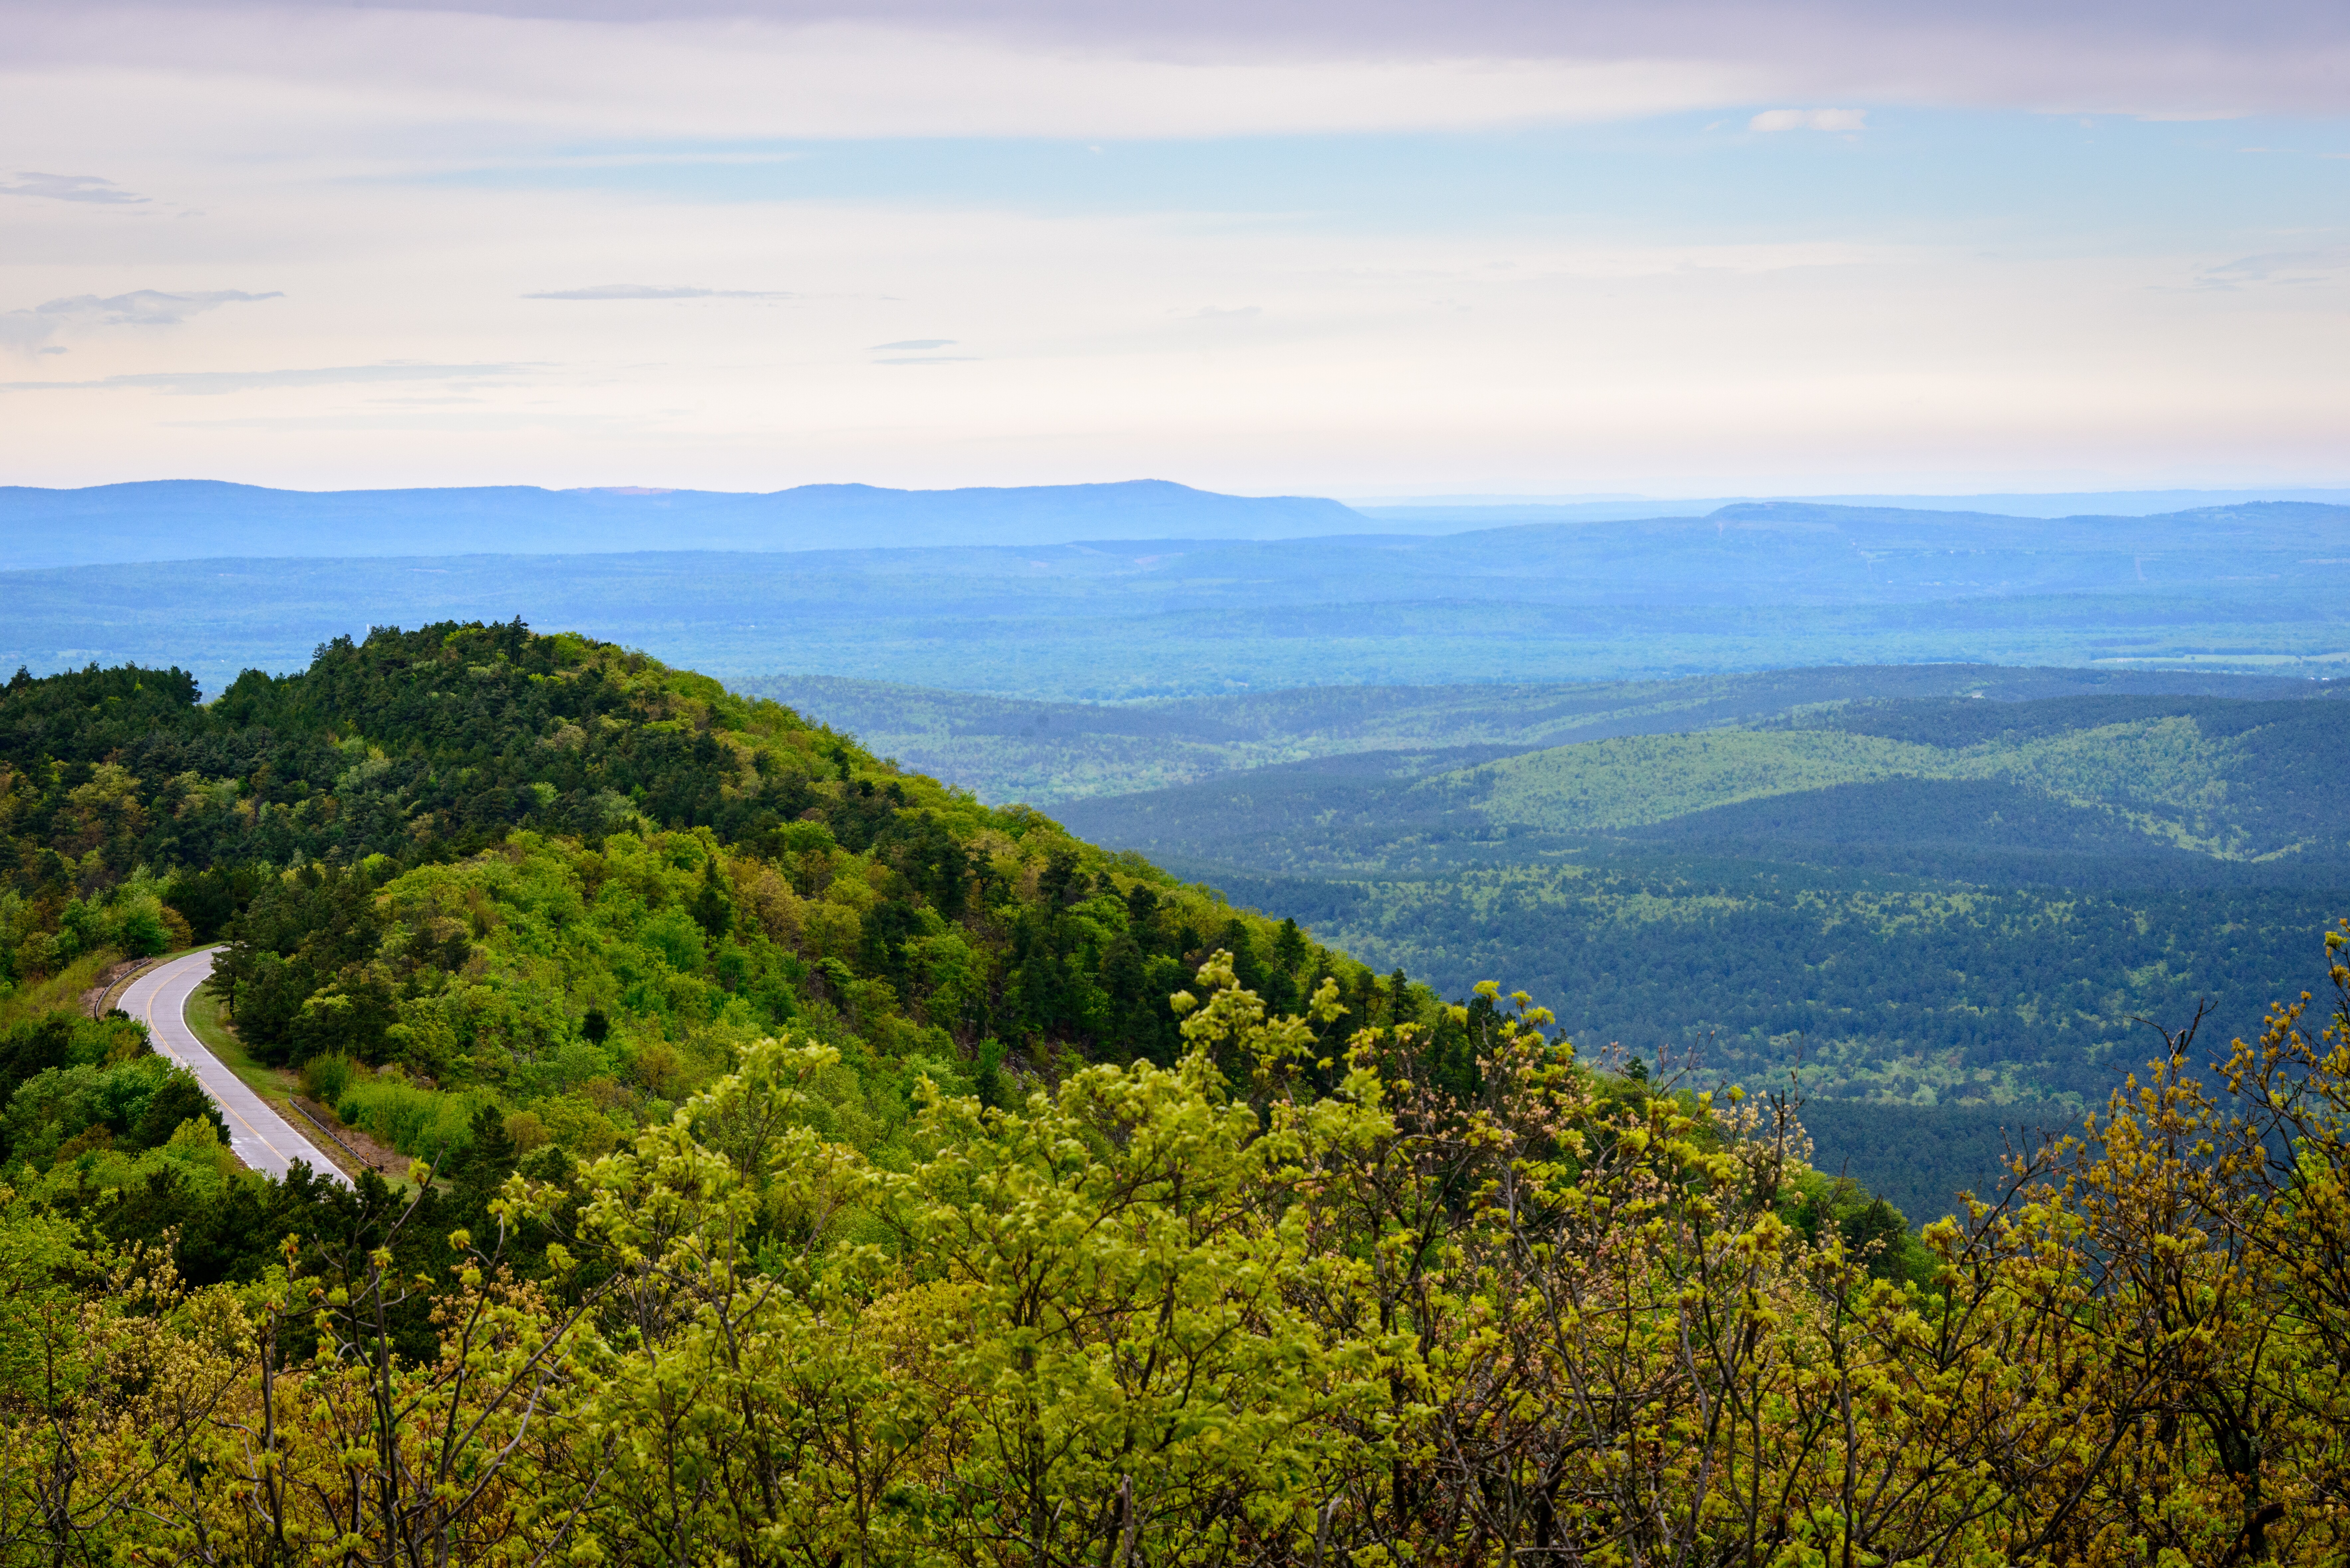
x=1364, y=249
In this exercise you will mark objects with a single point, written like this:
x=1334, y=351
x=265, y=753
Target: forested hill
x=547, y=877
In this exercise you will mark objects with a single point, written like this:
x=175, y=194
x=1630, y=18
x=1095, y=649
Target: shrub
x=421, y=1122
x=326, y=1077
x=177, y=1102
x=140, y=933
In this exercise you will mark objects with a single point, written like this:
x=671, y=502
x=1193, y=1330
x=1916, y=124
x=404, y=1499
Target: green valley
x=1949, y=901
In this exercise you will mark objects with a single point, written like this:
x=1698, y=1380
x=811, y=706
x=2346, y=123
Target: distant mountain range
x=183, y=520
x=1439, y=512
x=189, y=520
x=2259, y=588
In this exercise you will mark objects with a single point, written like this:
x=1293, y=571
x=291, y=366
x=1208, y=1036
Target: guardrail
x=305, y=1112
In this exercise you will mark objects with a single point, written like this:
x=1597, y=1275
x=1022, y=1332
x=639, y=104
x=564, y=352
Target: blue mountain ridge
x=178, y=520
x=185, y=520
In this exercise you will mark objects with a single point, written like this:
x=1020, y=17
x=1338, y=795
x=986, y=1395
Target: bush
x=81, y=929
x=422, y=1122
x=326, y=1077
x=178, y=1101
x=140, y=933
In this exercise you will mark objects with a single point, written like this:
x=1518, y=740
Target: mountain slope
x=2231, y=781
x=469, y=871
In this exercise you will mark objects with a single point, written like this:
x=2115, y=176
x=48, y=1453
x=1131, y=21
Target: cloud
x=657, y=291
x=69, y=188
x=912, y=343
x=147, y=306
x=2279, y=266
x=212, y=383
x=1810, y=119
x=27, y=329
x=2133, y=56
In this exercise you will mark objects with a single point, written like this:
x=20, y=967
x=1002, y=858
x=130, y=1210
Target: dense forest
x=1044, y=752
x=1953, y=908
x=815, y=1165
x=471, y=867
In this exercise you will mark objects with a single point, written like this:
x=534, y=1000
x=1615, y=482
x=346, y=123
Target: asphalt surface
x=258, y=1135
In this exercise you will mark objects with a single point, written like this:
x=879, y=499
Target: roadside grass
x=62, y=990
x=208, y=1019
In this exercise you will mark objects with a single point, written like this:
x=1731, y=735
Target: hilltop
x=471, y=871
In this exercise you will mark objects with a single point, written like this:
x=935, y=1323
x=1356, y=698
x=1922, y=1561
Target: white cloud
x=24, y=329
x=148, y=306
x=69, y=188
x=1049, y=67
x=656, y=291
x=392, y=76
x=2280, y=267
x=213, y=383
x=1810, y=119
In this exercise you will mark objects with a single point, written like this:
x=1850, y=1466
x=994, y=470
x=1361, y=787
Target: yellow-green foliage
x=1200, y=1315
x=2162, y=776
x=556, y=879
x=557, y=935
x=411, y=1120
x=1635, y=780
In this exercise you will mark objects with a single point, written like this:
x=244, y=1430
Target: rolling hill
x=1947, y=910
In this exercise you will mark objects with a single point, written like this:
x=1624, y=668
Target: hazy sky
x=1347, y=249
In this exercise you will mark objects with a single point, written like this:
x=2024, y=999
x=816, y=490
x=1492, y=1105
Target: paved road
x=260, y=1136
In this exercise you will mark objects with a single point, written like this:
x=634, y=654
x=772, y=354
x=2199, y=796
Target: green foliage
x=2203, y=787
x=1957, y=908
x=421, y=1122
x=326, y=1076
x=1221, y=1314
x=555, y=878
x=85, y=1106
x=1048, y=753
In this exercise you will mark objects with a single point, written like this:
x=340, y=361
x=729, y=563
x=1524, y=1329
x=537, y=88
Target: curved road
x=261, y=1138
